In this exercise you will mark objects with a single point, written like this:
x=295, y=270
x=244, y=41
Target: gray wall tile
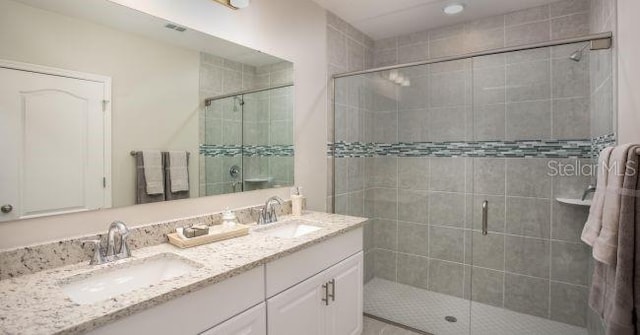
x=381, y=172
x=487, y=286
x=412, y=206
x=446, y=277
x=385, y=264
x=413, y=238
x=527, y=33
x=528, y=120
x=527, y=295
x=413, y=173
x=385, y=234
x=488, y=250
x=528, y=177
x=569, y=304
x=571, y=118
x=529, y=217
x=448, y=174
x=569, y=262
x=539, y=13
x=488, y=176
x=527, y=256
x=412, y=270
x=570, y=26
x=446, y=244
x=447, y=209
x=529, y=81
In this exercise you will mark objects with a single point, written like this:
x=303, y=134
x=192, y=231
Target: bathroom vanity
x=284, y=278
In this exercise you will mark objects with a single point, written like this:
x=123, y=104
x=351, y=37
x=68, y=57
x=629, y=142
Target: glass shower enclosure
x=466, y=167
x=247, y=141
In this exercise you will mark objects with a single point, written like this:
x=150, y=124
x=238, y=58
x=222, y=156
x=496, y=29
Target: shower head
x=576, y=56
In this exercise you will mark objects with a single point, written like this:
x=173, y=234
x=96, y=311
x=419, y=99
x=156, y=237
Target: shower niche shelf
x=574, y=202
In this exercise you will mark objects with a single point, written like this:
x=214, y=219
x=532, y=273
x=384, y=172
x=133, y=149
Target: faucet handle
x=261, y=215
x=125, y=251
x=98, y=257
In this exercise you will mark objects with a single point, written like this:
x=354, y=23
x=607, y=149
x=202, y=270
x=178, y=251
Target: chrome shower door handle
x=485, y=217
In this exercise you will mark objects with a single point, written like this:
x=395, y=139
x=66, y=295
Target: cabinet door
x=344, y=314
x=299, y=310
x=251, y=322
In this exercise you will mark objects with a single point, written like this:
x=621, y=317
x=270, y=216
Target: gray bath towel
x=142, y=197
x=181, y=169
x=615, y=289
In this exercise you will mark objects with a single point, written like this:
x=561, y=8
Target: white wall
x=289, y=29
x=155, y=97
x=628, y=50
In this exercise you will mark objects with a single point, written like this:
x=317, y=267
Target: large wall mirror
x=102, y=106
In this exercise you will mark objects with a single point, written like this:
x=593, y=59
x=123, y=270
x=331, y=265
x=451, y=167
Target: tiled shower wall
x=268, y=122
x=221, y=124
x=348, y=49
x=425, y=210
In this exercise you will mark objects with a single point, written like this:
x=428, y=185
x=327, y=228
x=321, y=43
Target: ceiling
x=126, y=19
x=387, y=18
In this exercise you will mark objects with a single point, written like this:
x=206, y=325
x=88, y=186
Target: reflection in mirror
x=252, y=130
x=103, y=106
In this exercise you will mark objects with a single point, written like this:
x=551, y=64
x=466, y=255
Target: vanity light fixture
x=234, y=4
x=453, y=8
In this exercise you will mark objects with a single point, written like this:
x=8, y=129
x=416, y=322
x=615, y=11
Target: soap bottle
x=229, y=218
x=296, y=201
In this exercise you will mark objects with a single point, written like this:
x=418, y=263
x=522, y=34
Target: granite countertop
x=35, y=303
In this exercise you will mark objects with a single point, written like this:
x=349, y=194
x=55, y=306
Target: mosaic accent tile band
x=601, y=142
x=231, y=150
x=583, y=148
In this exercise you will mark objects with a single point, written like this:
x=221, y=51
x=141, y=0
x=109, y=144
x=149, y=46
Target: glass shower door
x=221, y=147
x=536, y=114
x=398, y=162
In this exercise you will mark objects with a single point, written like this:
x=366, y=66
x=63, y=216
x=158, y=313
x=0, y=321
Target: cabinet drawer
x=195, y=312
x=251, y=322
x=295, y=268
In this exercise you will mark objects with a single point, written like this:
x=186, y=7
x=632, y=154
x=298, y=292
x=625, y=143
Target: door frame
x=106, y=81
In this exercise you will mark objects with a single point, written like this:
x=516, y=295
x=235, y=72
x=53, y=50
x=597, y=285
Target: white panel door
x=298, y=310
x=251, y=322
x=345, y=309
x=52, y=135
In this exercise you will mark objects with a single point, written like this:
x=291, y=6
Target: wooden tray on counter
x=216, y=233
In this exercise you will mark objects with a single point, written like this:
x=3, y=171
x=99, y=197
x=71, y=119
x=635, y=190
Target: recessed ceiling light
x=454, y=8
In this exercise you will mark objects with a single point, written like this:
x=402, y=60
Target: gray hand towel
x=615, y=288
x=142, y=197
x=169, y=193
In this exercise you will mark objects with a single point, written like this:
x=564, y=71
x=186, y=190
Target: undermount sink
x=289, y=229
x=110, y=282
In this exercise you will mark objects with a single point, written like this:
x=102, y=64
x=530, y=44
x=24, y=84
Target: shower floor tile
x=426, y=311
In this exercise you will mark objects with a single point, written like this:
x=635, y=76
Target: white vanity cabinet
x=197, y=311
x=329, y=303
x=251, y=322
x=318, y=290
x=312, y=291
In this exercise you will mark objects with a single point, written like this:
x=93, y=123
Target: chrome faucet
x=105, y=255
x=268, y=213
x=590, y=189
